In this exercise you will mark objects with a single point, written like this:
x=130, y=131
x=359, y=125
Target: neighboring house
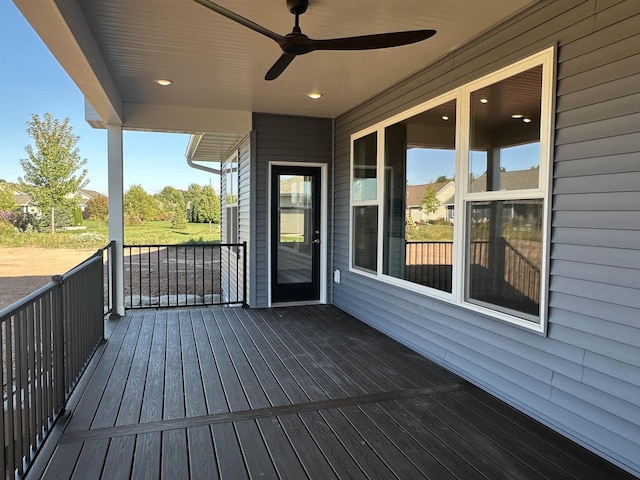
x=83, y=196
x=562, y=344
x=26, y=205
x=444, y=191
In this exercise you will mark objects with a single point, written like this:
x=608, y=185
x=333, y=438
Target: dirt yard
x=24, y=269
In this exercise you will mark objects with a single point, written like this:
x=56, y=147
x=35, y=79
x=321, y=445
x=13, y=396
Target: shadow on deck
x=300, y=392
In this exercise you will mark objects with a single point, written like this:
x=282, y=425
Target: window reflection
x=505, y=134
x=505, y=254
x=419, y=198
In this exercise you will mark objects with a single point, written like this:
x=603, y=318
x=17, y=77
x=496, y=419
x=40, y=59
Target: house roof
x=513, y=180
x=114, y=51
x=415, y=193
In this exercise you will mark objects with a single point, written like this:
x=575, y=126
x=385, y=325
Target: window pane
x=419, y=198
x=232, y=182
x=365, y=168
x=505, y=255
x=505, y=134
x=365, y=237
x=295, y=208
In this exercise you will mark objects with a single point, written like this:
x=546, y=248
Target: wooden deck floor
x=291, y=393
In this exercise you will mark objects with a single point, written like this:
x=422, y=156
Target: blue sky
x=31, y=81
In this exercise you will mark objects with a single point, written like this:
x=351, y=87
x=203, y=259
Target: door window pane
x=505, y=134
x=296, y=224
x=505, y=255
x=365, y=184
x=365, y=237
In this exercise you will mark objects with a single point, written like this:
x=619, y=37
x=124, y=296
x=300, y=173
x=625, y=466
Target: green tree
x=53, y=171
x=172, y=201
x=139, y=205
x=7, y=204
x=207, y=206
x=191, y=196
x=98, y=209
x=442, y=179
x=430, y=202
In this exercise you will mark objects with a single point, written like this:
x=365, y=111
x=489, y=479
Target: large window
x=364, y=196
x=450, y=199
x=231, y=199
x=419, y=189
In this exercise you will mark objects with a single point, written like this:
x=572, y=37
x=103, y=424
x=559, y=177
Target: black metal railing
x=46, y=341
x=429, y=263
x=158, y=276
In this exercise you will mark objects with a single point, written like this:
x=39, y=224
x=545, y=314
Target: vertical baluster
x=204, y=249
x=3, y=381
x=31, y=378
x=11, y=388
x=229, y=272
x=245, y=254
x=149, y=273
x=214, y=248
x=48, y=352
x=158, y=264
x=20, y=353
x=167, y=275
x=238, y=274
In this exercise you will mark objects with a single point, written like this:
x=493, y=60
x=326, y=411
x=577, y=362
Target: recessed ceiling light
x=526, y=120
x=517, y=115
x=314, y=95
x=484, y=100
x=444, y=117
x=164, y=82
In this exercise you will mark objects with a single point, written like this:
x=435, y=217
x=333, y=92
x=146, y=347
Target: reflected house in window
x=444, y=193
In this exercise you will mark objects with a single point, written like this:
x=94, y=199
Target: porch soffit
x=115, y=50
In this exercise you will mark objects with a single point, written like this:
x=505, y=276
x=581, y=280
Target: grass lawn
x=154, y=233
x=96, y=235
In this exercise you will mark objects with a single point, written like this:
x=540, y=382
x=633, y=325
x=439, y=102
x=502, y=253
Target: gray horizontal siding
x=280, y=138
x=583, y=378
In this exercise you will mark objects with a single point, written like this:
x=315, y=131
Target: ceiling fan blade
x=279, y=67
x=239, y=19
x=369, y=42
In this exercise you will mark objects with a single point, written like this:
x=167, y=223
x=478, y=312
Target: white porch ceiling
x=114, y=50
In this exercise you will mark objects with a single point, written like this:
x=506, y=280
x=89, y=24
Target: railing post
x=58, y=342
x=244, y=274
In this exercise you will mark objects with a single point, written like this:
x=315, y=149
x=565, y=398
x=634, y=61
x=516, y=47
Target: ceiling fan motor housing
x=297, y=7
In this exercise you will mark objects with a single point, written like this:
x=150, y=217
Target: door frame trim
x=323, y=230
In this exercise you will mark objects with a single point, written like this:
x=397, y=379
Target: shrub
x=63, y=216
x=77, y=215
x=88, y=239
x=26, y=222
x=132, y=220
x=6, y=217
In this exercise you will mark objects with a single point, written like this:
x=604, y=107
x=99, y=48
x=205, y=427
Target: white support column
x=116, y=213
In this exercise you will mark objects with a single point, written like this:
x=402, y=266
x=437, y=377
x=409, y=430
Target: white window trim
x=233, y=158
x=546, y=58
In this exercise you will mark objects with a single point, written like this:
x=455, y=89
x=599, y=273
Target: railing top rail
x=200, y=244
x=427, y=241
x=33, y=296
x=10, y=310
x=96, y=257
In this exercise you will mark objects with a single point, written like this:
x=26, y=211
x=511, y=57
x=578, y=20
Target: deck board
x=292, y=393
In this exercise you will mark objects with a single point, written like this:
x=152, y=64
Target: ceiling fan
x=297, y=43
